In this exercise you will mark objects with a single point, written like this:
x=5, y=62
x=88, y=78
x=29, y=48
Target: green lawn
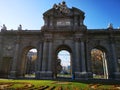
x=51, y=85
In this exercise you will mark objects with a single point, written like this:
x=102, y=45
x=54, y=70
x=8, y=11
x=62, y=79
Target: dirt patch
x=10, y=84
x=59, y=82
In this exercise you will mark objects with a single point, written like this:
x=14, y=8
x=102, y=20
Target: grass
x=38, y=83
x=17, y=85
x=48, y=84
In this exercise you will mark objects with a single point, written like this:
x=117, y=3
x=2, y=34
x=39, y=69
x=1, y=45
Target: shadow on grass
x=92, y=81
x=85, y=81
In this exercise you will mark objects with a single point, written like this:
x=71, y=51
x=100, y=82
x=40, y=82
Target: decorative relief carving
x=9, y=47
x=61, y=8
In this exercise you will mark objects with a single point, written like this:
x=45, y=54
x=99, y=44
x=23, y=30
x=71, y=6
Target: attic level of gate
x=60, y=17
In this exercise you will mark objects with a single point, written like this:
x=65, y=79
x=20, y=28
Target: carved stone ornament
x=110, y=26
x=9, y=47
x=62, y=8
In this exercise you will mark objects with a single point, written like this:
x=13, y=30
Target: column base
x=3, y=74
x=83, y=75
x=117, y=75
x=44, y=75
x=12, y=74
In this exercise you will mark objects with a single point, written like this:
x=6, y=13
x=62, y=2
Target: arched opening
x=99, y=64
x=30, y=63
x=64, y=59
x=63, y=62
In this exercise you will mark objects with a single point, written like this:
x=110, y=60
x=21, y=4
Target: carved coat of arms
x=62, y=8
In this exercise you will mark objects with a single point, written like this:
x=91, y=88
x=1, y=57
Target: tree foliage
x=59, y=67
x=97, y=61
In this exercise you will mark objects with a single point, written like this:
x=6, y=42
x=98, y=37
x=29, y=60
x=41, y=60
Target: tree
x=97, y=61
x=59, y=67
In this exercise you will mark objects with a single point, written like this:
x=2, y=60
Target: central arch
x=60, y=64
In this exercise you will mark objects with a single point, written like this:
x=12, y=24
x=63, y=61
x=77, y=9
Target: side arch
x=23, y=61
x=100, y=62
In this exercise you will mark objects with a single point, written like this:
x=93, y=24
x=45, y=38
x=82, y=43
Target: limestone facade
x=61, y=31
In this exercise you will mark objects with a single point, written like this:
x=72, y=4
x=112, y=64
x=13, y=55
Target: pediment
x=62, y=10
x=72, y=11
x=60, y=16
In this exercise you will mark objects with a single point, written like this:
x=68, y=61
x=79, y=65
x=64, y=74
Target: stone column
x=50, y=54
x=77, y=55
x=40, y=57
x=105, y=66
x=114, y=61
x=83, y=56
x=114, y=57
x=77, y=59
x=39, y=61
x=88, y=61
x=82, y=73
x=1, y=51
x=14, y=63
x=73, y=58
x=44, y=73
x=44, y=61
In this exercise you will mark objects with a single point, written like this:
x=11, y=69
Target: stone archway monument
x=63, y=29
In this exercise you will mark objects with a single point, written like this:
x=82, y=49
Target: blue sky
x=29, y=12
x=65, y=57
